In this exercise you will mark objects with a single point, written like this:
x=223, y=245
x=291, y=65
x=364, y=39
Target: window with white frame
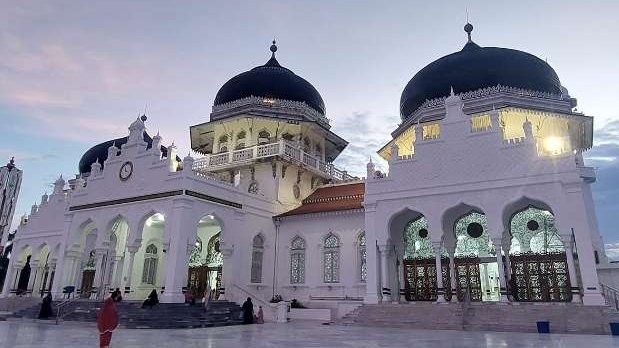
x=297, y=261
x=149, y=273
x=331, y=259
x=256, y=259
x=363, y=265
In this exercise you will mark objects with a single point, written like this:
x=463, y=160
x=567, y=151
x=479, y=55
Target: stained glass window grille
x=363, y=265
x=256, y=259
x=331, y=259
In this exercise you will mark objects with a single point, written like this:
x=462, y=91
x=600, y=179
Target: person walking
x=46, y=307
x=248, y=311
x=107, y=321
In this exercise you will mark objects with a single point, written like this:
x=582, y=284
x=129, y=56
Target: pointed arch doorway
x=205, y=260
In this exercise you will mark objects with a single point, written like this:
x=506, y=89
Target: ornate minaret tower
x=10, y=181
x=268, y=134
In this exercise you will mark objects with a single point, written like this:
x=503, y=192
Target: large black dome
x=270, y=81
x=476, y=67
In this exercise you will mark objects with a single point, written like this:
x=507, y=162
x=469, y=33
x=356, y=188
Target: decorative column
x=568, y=244
x=452, y=276
x=9, y=280
x=372, y=291
x=131, y=249
x=100, y=254
x=384, y=274
x=508, y=270
x=226, y=256
x=115, y=282
x=440, y=289
x=177, y=228
x=499, y=260
x=34, y=266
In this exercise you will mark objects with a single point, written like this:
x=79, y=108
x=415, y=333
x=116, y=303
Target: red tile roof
x=331, y=198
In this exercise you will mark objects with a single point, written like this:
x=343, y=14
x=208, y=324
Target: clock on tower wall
x=126, y=170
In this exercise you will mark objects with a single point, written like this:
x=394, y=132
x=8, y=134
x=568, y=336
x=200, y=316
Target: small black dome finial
x=273, y=48
x=468, y=28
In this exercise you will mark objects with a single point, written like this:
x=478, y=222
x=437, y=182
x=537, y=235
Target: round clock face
x=125, y=171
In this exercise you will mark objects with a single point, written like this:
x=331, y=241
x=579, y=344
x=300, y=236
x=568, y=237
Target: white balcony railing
x=282, y=148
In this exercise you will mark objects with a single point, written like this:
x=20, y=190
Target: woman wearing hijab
x=107, y=321
x=46, y=307
x=248, y=312
x=151, y=300
x=260, y=316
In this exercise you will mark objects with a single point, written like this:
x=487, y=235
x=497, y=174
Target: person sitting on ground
x=259, y=318
x=248, y=312
x=189, y=298
x=152, y=300
x=46, y=307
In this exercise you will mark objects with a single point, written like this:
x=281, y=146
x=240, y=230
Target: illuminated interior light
x=553, y=144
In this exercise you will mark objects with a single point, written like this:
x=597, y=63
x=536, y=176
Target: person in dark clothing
x=248, y=312
x=46, y=307
x=24, y=277
x=117, y=295
x=151, y=300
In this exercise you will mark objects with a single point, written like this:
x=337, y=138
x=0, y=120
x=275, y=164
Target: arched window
x=297, y=261
x=256, y=259
x=149, y=273
x=223, y=143
x=263, y=137
x=331, y=259
x=240, y=140
x=363, y=257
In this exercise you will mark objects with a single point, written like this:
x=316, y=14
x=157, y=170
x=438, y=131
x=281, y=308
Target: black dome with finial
x=476, y=67
x=271, y=80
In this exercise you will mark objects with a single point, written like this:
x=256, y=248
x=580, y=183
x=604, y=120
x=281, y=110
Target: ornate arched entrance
x=538, y=260
x=476, y=269
x=419, y=264
x=205, y=260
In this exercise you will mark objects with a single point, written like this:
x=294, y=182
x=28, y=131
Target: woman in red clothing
x=107, y=321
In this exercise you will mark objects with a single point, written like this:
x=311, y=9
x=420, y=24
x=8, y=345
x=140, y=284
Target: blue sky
x=76, y=73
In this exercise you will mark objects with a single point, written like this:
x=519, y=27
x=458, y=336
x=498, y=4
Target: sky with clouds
x=76, y=73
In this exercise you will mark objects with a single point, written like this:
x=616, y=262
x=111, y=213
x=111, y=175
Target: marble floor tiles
x=298, y=334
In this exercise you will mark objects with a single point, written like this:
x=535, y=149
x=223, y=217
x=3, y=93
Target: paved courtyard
x=295, y=335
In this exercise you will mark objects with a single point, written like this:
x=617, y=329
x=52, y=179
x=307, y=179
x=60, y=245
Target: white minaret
x=10, y=182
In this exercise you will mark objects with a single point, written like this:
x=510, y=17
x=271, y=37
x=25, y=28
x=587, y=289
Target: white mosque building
x=486, y=197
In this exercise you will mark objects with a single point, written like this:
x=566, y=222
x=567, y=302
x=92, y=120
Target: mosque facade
x=486, y=198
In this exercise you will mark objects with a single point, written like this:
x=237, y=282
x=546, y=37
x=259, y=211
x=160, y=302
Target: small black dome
x=270, y=81
x=100, y=152
x=476, y=67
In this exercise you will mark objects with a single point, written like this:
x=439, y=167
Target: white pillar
x=568, y=244
x=384, y=266
x=372, y=292
x=574, y=220
x=131, y=250
x=11, y=271
x=100, y=254
x=178, y=226
x=499, y=260
x=452, y=277
x=34, y=271
x=440, y=289
x=116, y=272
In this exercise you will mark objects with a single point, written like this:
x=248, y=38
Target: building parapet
x=283, y=149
